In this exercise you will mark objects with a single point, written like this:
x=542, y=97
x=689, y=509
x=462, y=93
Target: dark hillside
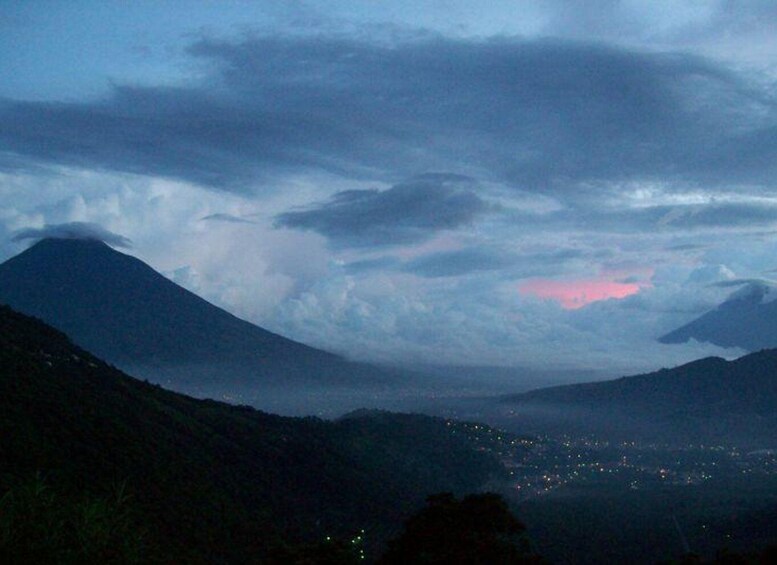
x=710, y=400
x=213, y=481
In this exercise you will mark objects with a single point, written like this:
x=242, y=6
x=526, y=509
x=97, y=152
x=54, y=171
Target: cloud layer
x=73, y=230
x=563, y=117
x=287, y=176
x=405, y=213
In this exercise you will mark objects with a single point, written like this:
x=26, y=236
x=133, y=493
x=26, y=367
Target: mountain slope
x=747, y=319
x=213, y=482
x=706, y=400
x=125, y=312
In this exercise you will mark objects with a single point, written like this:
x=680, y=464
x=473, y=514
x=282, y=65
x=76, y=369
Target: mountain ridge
x=746, y=319
x=127, y=313
x=214, y=482
x=709, y=399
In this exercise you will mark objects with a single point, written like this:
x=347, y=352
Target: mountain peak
x=70, y=241
x=753, y=291
x=70, y=245
x=127, y=313
x=73, y=231
x=746, y=319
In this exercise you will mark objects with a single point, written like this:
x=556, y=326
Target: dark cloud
x=550, y=116
x=376, y=264
x=664, y=218
x=408, y=212
x=73, y=230
x=229, y=218
x=743, y=282
x=686, y=217
x=686, y=247
x=459, y=262
x=473, y=260
x=724, y=215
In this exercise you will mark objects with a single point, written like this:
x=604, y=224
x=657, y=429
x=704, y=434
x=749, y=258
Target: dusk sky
x=543, y=184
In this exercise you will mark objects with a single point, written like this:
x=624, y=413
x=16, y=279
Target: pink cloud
x=574, y=294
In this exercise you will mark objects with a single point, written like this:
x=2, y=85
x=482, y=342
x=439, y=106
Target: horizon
x=374, y=282
x=540, y=377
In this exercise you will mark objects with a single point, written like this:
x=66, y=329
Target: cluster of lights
x=356, y=543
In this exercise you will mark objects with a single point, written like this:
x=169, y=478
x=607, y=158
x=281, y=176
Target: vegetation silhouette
x=478, y=529
x=210, y=481
x=38, y=524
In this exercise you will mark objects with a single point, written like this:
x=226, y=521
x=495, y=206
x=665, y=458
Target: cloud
x=575, y=294
x=289, y=282
x=722, y=215
x=624, y=215
x=222, y=217
x=686, y=247
x=562, y=117
x=592, y=162
x=408, y=212
x=365, y=265
x=73, y=230
x=706, y=274
x=484, y=259
x=742, y=282
x=459, y=262
x=480, y=320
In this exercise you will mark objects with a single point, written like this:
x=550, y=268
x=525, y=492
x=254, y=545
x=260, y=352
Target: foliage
x=41, y=525
x=215, y=482
x=478, y=529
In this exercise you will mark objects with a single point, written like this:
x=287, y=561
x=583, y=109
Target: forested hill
x=213, y=482
x=709, y=400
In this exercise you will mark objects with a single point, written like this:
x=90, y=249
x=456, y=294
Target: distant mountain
x=747, y=319
x=128, y=314
x=209, y=482
x=710, y=400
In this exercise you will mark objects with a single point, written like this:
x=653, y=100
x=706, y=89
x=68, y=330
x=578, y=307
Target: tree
x=479, y=529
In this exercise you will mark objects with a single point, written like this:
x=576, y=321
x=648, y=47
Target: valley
x=388, y=283
x=598, y=471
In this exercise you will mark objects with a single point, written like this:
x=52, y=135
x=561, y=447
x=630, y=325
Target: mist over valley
x=393, y=283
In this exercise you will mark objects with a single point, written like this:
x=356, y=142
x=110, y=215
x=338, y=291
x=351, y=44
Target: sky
x=547, y=184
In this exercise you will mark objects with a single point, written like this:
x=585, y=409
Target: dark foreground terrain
x=98, y=466
x=188, y=480
x=709, y=401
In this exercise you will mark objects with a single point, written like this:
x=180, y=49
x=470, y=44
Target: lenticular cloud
x=73, y=230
